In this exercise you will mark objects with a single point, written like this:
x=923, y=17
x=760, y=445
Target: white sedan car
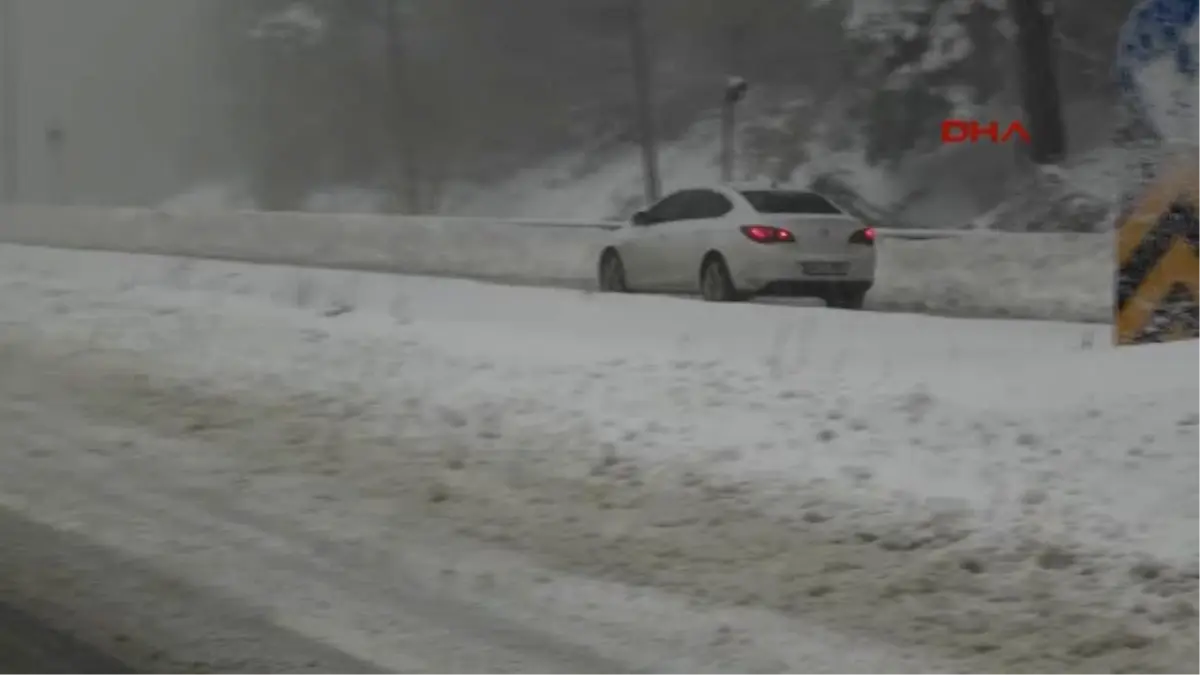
x=730, y=244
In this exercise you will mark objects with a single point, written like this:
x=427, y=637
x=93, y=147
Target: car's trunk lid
x=819, y=234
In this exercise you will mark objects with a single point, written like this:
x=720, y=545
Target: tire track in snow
x=28, y=645
x=315, y=566
x=134, y=614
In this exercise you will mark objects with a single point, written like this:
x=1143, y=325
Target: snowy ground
x=439, y=474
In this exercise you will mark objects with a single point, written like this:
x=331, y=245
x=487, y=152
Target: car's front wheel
x=612, y=273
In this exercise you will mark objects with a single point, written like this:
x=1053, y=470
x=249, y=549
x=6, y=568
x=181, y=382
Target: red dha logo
x=970, y=131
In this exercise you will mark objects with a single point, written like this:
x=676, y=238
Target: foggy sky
x=126, y=82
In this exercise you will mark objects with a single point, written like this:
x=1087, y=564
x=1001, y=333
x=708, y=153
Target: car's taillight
x=765, y=234
x=864, y=236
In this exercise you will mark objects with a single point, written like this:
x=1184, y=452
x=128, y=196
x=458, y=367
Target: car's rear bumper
x=787, y=271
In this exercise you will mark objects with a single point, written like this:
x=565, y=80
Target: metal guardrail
x=547, y=223
x=925, y=235
x=886, y=233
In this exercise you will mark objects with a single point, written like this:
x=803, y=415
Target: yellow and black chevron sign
x=1158, y=270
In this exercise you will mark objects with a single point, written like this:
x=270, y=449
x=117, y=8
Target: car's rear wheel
x=716, y=285
x=846, y=297
x=612, y=273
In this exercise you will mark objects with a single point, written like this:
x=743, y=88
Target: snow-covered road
x=443, y=475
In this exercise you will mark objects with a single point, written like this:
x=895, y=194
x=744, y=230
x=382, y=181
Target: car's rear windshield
x=779, y=201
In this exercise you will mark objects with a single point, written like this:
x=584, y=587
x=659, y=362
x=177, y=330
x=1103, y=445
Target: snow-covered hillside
x=851, y=89
x=935, y=191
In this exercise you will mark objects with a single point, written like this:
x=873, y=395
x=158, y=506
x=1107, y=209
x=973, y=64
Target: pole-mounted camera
x=735, y=89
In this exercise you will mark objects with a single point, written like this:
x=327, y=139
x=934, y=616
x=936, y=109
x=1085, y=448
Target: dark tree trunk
x=643, y=81
x=10, y=137
x=1038, y=72
x=404, y=164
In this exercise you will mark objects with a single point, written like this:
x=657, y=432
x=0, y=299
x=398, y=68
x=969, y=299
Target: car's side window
x=668, y=208
x=702, y=204
x=690, y=205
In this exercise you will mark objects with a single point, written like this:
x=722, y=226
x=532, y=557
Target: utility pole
x=643, y=89
x=735, y=91
x=10, y=86
x=400, y=118
x=1037, y=69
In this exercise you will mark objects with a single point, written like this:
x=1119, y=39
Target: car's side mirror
x=641, y=218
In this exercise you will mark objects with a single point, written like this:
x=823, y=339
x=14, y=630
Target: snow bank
x=1044, y=276
x=1067, y=277
x=515, y=251
x=1016, y=495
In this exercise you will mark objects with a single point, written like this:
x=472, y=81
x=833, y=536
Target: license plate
x=825, y=268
